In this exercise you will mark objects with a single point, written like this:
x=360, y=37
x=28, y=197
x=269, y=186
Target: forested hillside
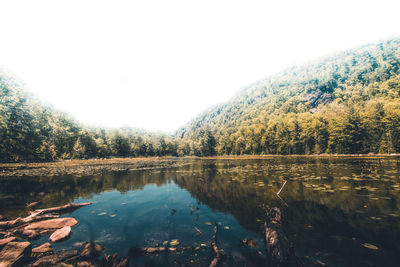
x=32, y=131
x=346, y=103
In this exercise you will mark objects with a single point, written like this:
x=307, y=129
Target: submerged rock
x=55, y=258
x=60, y=234
x=114, y=260
x=52, y=224
x=249, y=242
x=85, y=264
x=44, y=248
x=15, y=253
x=92, y=250
x=28, y=234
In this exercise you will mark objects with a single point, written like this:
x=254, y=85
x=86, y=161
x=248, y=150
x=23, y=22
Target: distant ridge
x=348, y=102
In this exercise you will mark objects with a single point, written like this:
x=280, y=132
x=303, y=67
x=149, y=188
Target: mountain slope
x=348, y=102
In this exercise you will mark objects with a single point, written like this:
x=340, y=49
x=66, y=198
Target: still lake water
x=340, y=211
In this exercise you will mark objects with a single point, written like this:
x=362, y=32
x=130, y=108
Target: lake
x=339, y=211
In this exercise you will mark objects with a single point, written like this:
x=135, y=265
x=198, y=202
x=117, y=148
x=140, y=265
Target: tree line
x=347, y=103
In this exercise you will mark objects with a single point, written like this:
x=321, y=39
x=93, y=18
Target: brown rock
x=47, y=232
x=62, y=264
x=92, y=250
x=53, y=259
x=114, y=260
x=28, y=234
x=60, y=234
x=4, y=241
x=52, y=224
x=85, y=264
x=15, y=253
x=46, y=247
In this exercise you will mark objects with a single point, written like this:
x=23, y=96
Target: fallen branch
x=214, y=246
x=282, y=187
x=30, y=205
x=42, y=214
x=20, y=221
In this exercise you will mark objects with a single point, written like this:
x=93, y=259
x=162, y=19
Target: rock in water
x=85, y=264
x=92, y=250
x=28, y=234
x=60, y=234
x=52, y=224
x=15, y=253
x=55, y=258
x=7, y=240
x=46, y=247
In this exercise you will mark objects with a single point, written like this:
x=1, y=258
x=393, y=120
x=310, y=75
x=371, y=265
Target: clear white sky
x=156, y=64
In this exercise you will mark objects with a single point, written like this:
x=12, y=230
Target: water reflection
x=334, y=205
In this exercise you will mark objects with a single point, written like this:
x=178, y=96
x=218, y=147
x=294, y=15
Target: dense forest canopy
x=32, y=131
x=346, y=103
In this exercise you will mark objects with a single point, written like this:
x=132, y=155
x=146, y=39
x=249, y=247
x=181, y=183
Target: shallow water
x=340, y=211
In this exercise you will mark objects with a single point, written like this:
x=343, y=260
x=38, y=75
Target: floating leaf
x=165, y=242
x=369, y=246
x=226, y=227
x=113, y=215
x=208, y=223
x=102, y=213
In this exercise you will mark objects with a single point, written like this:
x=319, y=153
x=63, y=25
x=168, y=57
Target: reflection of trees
x=242, y=187
x=54, y=191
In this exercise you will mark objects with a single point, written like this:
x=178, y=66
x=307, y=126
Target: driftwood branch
x=20, y=221
x=214, y=246
x=42, y=214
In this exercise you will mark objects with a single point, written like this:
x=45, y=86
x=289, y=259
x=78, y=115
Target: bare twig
x=198, y=230
x=282, y=187
x=284, y=202
x=214, y=246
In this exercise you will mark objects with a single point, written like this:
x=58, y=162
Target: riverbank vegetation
x=347, y=103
